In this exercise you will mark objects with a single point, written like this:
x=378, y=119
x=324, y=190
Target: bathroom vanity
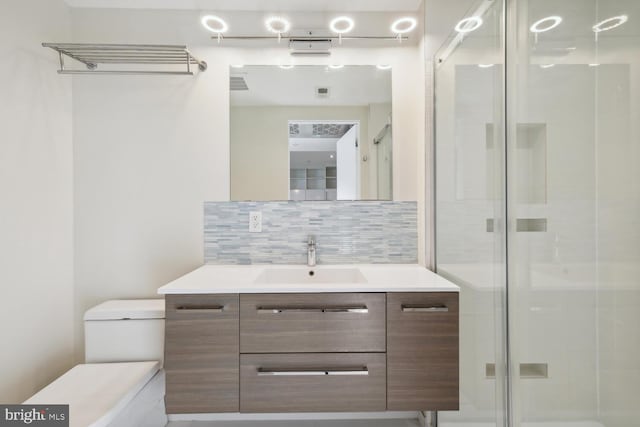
x=258, y=339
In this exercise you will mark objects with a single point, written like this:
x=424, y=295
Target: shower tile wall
x=346, y=232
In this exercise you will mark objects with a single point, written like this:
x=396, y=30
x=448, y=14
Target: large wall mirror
x=311, y=133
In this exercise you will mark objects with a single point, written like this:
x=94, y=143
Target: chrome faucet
x=311, y=251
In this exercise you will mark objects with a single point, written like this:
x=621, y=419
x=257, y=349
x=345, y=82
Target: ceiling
x=348, y=86
x=256, y=5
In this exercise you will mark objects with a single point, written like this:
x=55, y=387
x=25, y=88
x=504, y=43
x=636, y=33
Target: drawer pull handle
x=277, y=310
x=263, y=372
x=430, y=309
x=196, y=309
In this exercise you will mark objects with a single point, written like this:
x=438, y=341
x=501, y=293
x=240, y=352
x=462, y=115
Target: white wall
x=36, y=205
x=149, y=150
x=147, y=153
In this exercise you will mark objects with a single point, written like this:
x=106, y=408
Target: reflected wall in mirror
x=310, y=133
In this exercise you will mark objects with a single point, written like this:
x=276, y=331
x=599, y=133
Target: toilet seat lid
x=127, y=309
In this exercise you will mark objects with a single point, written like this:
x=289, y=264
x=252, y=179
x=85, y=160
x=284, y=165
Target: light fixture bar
x=312, y=38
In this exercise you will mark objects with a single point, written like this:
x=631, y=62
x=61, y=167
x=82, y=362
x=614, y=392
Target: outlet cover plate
x=255, y=222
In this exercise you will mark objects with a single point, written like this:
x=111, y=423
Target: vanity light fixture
x=610, y=23
x=383, y=67
x=215, y=24
x=402, y=26
x=341, y=25
x=469, y=24
x=486, y=65
x=545, y=24
x=336, y=67
x=277, y=25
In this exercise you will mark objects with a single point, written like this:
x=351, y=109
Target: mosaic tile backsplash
x=355, y=232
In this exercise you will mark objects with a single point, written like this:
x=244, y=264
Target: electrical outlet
x=255, y=222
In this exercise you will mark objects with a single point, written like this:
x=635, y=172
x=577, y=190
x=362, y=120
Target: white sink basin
x=311, y=275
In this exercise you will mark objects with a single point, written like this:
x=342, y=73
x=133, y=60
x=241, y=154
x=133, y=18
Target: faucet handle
x=311, y=240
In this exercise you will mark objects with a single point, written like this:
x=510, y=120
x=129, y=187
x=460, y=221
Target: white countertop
x=242, y=279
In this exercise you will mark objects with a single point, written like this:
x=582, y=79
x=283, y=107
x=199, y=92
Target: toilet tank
x=125, y=331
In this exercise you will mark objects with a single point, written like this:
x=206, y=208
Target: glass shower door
x=538, y=211
x=470, y=205
x=574, y=207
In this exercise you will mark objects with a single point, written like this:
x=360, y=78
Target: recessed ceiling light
x=277, y=25
x=336, y=67
x=469, y=24
x=486, y=65
x=341, y=25
x=287, y=67
x=215, y=24
x=404, y=25
x=545, y=24
x=547, y=65
x=331, y=156
x=383, y=67
x=594, y=65
x=610, y=23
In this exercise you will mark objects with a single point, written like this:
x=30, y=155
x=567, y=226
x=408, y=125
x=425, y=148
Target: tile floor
x=300, y=423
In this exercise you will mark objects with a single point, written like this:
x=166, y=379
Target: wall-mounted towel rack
x=93, y=55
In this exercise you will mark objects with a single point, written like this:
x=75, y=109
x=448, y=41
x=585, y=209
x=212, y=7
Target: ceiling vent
x=322, y=92
x=238, y=83
x=310, y=46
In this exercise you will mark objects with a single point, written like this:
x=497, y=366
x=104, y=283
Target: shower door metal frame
x=508, y=12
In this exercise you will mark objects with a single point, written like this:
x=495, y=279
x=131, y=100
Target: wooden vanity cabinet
x=311, y=352
x=422, y=351
x=202, y=349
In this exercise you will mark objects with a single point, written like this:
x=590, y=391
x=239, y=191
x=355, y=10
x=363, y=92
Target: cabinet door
x=422, y=351
x=202, y=353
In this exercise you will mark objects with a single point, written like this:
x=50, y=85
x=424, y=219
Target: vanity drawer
x=298, y=323
x=202, y=353
x=422, y=351
x=333, y=382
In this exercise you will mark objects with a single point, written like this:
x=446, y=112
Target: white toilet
x=121, y=384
